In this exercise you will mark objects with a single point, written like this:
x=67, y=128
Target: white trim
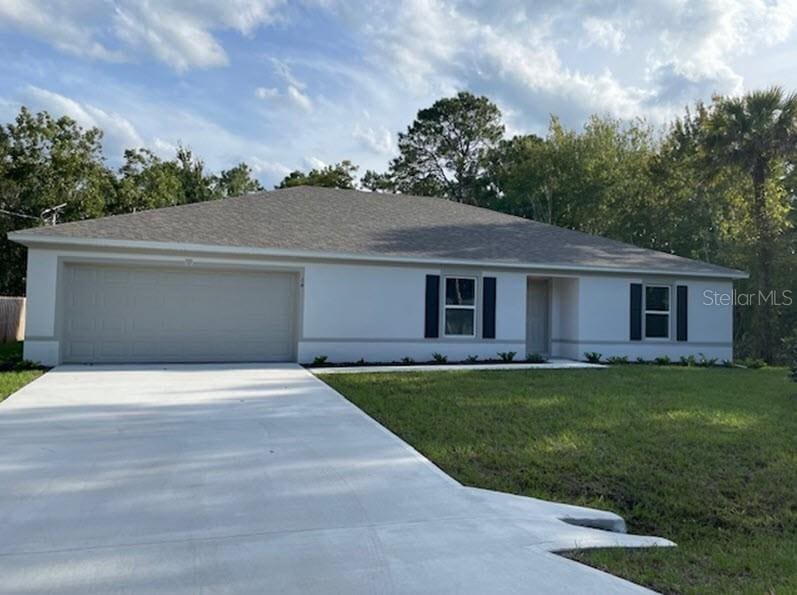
x=667, y=312
x=37, y=240
x=471, y=307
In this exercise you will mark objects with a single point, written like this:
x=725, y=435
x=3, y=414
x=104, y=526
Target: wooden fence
x=12, y=319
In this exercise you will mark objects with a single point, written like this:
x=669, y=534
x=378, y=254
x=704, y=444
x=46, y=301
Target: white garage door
x=120, y=314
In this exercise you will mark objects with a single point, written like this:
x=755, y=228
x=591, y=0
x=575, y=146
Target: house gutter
x=40, y=241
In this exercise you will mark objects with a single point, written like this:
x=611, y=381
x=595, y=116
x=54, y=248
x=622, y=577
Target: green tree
x=445, y=151
x=146, y=182
x=377, y=182
x=197, y=185
x=237, y=181
x=757, y=133
x=44, y=162
x=593, y=180
x=339, y=175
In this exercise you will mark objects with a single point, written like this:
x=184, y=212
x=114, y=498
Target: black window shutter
x=636, y=311
x=432, y=318
x=681, y=313
x=488, y=309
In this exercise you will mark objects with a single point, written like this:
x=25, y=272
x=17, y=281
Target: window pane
x=657, y=298
x=459, y=322
x=657, y=325
x=460, y=292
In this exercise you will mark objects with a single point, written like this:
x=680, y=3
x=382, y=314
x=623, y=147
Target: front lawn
x=13, y=380
x=705, y=457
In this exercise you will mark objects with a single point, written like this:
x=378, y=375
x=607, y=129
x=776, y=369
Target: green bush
x=688, y=361
x=662, y=360
x=617, y=359
x=471, y=359
x=641, y=360
x=507, y=356
x=706, y=362
x=593, y=357
x=752, y=363
x=439, y=358
x=407, y=360
x=536, y=358
x=319, y=360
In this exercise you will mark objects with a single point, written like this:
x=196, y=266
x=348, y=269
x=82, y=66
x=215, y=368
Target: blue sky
x=286, y=85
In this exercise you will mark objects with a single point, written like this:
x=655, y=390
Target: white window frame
x=667, y=312
x=447, y=307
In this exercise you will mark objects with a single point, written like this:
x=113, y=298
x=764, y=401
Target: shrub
x=662, y=360
x=688, y=360
x=407, y=360
x=706, y=362
x=439, y=358
x=536, y=358
x=592, y=357
x=617, y=359
x=360, y=362
x=753, y=363
x=471, y=359
x=319, y=360
x=641, y=360
x=726, y=363
x=507, y=356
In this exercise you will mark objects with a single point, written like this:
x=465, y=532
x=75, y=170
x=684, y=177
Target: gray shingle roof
x=370, y=224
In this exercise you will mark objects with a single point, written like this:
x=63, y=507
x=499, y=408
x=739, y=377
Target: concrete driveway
x=261, y=479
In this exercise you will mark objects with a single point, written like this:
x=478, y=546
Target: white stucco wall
x=564, y=317
x=41, y=341
x=604, y=319
x=376, y=312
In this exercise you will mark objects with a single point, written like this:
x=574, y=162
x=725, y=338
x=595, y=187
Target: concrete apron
x=252, y=478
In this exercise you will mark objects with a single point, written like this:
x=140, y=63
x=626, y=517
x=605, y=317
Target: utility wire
x=23, y=215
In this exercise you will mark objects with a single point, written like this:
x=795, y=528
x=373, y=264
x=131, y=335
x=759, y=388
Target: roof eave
x=45, y=241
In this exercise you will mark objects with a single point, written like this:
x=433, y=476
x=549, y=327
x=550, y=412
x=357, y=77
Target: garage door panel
x=117, y=314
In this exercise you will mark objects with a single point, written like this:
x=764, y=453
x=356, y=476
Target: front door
x=537, y=305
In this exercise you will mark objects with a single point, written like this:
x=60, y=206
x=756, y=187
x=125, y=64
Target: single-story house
x=292, y=274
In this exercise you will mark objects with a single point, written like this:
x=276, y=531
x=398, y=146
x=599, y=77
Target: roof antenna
x=52, y=213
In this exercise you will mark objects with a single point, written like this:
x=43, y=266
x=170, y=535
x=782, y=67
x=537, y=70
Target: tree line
x=718, y=184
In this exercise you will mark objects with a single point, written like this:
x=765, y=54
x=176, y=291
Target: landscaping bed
x=703, y=456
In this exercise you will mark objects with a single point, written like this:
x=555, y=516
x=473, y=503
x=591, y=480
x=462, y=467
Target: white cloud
x=119, y=132
x=169, y=36
x=314, y=163
x=179, y=33
x=341, y=90
x=273, y=169
x=292, y=96
x=603, y=33
x=522, y=55
x=377, y=139
x=65, y=24
x=266, y=93
x=299, y=99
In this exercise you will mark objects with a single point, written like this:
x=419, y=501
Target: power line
x=23, y=215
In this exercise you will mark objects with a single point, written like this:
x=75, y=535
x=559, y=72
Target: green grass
x=12, y=381
x=705, y=457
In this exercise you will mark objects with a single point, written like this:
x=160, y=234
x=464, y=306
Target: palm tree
x=756, y=133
